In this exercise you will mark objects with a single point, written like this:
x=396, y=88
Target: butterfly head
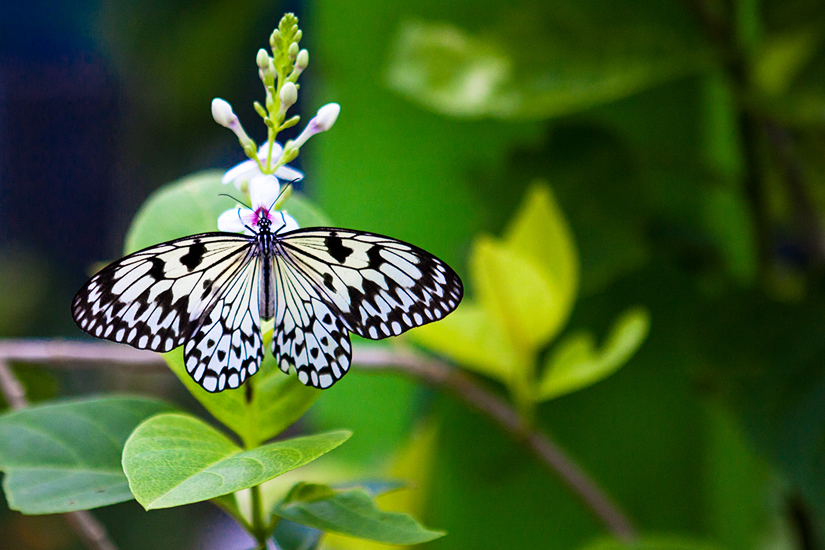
x=272, y=221
x=263, y=219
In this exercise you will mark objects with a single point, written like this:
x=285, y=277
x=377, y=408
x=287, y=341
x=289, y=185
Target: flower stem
x=259, y=528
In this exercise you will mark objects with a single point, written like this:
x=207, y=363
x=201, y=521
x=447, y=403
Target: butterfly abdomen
x=266, y=248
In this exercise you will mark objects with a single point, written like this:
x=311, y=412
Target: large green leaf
x=176, y=459
x=351, y=512
x=543, y=62
x=63, y=457
x=576, y=363
x=263, y=407
x=192, y=205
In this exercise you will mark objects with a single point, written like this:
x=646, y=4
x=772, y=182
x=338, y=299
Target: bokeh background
x=684, y=142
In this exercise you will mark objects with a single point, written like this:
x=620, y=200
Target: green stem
x=259, y=527
x=521, y=391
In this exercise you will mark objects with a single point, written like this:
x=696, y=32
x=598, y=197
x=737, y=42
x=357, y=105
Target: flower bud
x=302, y=60
x=222, y=113
x=262, y=59
x=289, y=154
x=326, y=116
x=288, y=95
x=291, y=122
x=293, y=50
x=321, y=122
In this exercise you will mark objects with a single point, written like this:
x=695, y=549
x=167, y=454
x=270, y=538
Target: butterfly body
x=210, y=292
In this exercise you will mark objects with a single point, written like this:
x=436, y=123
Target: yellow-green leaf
x=540, y=231
x=471, y=337
x=518, y=293
x=575, y=363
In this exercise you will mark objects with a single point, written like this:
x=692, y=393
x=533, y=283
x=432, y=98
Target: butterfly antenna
x=287, y=187
x=236, y=200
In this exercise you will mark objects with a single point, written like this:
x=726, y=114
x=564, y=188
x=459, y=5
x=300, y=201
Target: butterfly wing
x=331, y=281
x=226, y=347
x=183, y=290
x=308, y=334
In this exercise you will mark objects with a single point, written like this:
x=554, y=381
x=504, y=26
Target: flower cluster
x=260, y=177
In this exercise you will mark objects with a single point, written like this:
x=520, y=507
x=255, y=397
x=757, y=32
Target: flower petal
x=235, y=220
x=240, y=172
x=277, y=149
x=264, y=191
x=289, y=174
x=244, y=172
x=289, y=223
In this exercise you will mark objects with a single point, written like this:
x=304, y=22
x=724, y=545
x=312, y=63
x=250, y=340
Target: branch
x=434, y=373
x=83, y=523
x=805, y=215
x=439, y=375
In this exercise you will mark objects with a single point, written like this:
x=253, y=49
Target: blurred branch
x=805, y=213
x=440, y=375
x=751, y=130
x=85, y=525
x=434, y=373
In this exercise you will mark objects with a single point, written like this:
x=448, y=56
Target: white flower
x=244, y=172
x=321, y=122
x=263, y=193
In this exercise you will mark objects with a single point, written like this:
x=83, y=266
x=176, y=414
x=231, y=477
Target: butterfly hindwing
x=307, y=335
x=226, y=347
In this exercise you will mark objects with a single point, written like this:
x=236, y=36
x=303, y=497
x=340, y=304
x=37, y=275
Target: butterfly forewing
x=155, y=298
x=371, y=285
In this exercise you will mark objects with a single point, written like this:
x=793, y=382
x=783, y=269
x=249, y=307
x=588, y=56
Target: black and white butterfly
x=209, y=293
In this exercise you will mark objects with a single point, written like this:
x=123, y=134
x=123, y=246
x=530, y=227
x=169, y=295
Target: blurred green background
x=684, y=142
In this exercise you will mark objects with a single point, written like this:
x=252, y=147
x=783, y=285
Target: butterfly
x=210, y=292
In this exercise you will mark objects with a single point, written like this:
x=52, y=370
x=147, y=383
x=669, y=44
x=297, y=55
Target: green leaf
x=452, y=72
x=351, y=513
x=471, y=337
x=289, y=535
x=192, y=205
x=782, y=58
x=269, y=402
x=176, y=459
x=540, y=231
x=575, y=363
x=66, y=456
x=518, y=292
x=543, y=68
